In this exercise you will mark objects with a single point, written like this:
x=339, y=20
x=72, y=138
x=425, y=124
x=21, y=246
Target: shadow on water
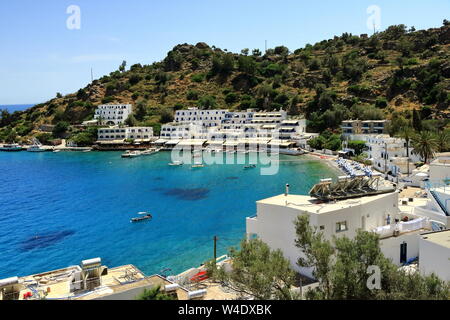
x=188, y=194
x=44, y=240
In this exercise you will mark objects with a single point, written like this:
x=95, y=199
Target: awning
x=215, y=142
x=172, y=142
x=161, y=141
x=110, y=142
x=191, y=142
x=268, y=127
x=230, y=143
x=253, y=141
x=281, y=143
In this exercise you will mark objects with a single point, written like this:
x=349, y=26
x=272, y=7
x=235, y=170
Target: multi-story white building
x=275, y=217
x=207, y=118
x=228, y=125
x=142, y=134
x=388, y=154
x=112, y=114
x=272, y=117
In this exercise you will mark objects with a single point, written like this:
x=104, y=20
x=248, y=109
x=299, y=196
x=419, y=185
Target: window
x=341, y=226
x=322, y=227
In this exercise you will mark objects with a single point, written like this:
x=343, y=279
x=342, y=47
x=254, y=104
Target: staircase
x=439, y=202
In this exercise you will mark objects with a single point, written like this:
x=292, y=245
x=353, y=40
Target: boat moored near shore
x=11, y=147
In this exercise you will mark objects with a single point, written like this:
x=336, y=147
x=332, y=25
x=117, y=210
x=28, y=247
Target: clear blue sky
x=40, y=56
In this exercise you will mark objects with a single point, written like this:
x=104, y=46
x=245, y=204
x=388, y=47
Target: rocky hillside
x=385, y=75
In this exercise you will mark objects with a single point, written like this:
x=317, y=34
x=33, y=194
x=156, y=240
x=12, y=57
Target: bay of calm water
x=57, y=209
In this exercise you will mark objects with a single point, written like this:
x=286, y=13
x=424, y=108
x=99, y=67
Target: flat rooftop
x=441, y=238
x=313, y=205
x=57, y=282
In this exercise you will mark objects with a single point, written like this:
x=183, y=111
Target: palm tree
x=425, y=144
x=443, y=140
x=406, y=133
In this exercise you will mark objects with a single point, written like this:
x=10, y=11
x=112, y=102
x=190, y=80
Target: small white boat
x=176, y=163
x=198, y=165
x=150, y=151
x=131, y=154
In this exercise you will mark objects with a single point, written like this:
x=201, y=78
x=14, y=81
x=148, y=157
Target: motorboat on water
x=198, y=165
x=251, y=166
x=144, y=216
x=176, y=163
x=11, y=147
x=131, y=154
x=37, y=147
x=150, y=151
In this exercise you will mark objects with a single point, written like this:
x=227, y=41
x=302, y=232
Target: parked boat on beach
x=11, y=147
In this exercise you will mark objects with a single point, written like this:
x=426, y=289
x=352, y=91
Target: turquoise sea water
x=57, y=209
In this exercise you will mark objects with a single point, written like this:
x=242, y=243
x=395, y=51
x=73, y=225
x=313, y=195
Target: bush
x=381, y=103
x=231, y=97
x=199, y=77
x=192, y=95
x=60, y=129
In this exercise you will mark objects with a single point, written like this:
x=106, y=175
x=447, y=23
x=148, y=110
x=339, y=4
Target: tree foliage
x=257, y=271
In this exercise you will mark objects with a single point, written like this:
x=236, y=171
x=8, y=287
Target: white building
x=273, y=117
x=232, y=126
x=112, y=114
x=434, y=253
x=207, y=118
x=440, y=169
x=118, y=134
x=388, y=154
x=274, y=223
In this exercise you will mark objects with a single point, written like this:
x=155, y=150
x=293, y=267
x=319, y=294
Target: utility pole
x=385, y=159
x=92, y=76
x=215, y=249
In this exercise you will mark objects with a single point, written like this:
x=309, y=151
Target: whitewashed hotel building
x=112, y=114
x=119, y=134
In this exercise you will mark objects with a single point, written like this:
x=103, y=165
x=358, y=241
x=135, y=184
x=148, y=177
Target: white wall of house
x=440, y=170
x=391, y=247
x=434, y=257
x=274, y=223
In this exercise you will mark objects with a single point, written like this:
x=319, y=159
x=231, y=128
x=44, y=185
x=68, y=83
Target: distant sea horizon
x=16, y=107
